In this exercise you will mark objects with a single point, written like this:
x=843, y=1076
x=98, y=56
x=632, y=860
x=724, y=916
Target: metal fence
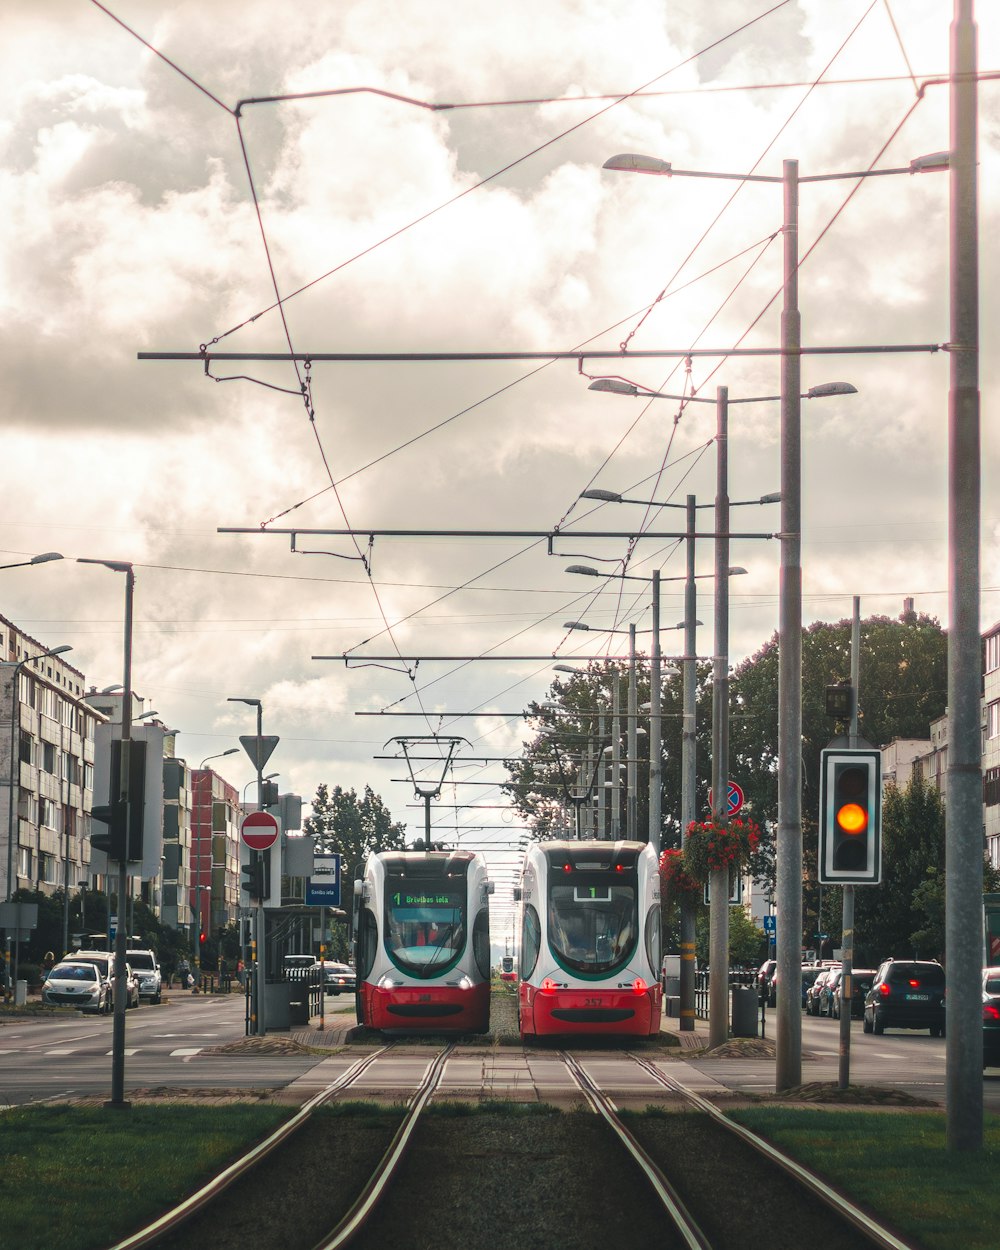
x=702, y=977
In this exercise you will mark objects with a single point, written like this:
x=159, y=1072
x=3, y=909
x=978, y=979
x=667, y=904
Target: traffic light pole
x=261, y=969
x=121, y=990
x=847, y=920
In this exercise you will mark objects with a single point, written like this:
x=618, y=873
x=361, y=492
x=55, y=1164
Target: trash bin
x=277, y=1006
x=744, y=1015
x=20, y=993
x=298, y=1001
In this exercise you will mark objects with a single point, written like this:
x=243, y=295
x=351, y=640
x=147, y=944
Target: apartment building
x=47, y=754
x=216, y=816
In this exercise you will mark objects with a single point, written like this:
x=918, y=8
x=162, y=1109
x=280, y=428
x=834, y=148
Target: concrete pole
x=655, y=725
x=689, y=766
x=720, y=885
x=964, y=810
x=632, y=768
x=121, y=992
x=616, y=760
x=788, y=1039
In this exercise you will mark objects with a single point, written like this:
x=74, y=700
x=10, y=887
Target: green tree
x=886, y=915
x=903, y=688
x=747, y=943
x=345, y=825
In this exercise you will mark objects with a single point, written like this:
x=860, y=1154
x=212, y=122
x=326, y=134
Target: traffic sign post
x=323, y=887
x=259, y=831
x=734, y=798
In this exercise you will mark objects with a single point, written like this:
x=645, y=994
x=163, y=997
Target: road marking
x=186, y=1054
x=110, y=1053
x=62, y=1052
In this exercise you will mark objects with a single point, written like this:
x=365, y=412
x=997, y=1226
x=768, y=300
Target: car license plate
x=918, y=998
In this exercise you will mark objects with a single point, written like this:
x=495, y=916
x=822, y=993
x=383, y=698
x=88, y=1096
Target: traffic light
x=201, y=938
x=850, y=817
x=110, y=839
x=253, y=878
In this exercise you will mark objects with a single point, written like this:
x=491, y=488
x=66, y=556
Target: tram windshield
x=425, y=927
x=592, y=924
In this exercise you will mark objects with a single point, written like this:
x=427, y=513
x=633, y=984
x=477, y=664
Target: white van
x=145, y=967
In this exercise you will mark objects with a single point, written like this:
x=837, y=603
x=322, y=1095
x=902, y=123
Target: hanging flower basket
x=672, y=874
x=709, y=846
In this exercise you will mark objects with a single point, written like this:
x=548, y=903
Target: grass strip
x=896, y=1164
x=79, y=1177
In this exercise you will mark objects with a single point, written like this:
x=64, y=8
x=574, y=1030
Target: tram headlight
x=465, y=983
x=389, y=982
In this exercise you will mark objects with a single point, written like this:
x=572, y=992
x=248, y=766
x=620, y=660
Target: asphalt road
x=168, y=1046
x=165, y=1045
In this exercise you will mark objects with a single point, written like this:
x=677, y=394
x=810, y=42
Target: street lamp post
x=788, y=1067
x=231, y=751
x=260, y=963
x=118, y=1029
x=15, y=723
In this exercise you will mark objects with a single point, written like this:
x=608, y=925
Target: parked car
x=77, y=985
x=764, y=981
x=809, y=976
x=861, y=982
x=814, y=991
x=991, y=1017
x=147, y=970
x=906, y=994
x=338, y=978
x=828, y=990
x=105, y=961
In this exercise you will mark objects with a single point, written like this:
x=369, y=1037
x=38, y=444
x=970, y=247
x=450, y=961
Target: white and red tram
x=422, y=942
x=590, y=939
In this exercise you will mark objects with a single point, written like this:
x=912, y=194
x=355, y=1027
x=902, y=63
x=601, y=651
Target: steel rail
x=177, y=1215
x=373, y=1191
x=865, y=1223
x=683, y=1220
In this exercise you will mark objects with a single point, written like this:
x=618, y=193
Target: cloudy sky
x=146, y=210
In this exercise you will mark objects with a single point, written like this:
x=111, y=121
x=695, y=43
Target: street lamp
x=788, y=1068
x=231, y=751
x=118, y=1030
x=44, y=558
x=269, y=777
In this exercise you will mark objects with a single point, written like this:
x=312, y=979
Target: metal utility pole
x=963, y=811
x=847, y=922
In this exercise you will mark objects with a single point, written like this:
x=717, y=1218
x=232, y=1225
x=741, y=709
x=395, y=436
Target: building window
x=993, y=719
x=992, y=652
x=47, y=869
x=71, y=769
x=48, y=760
x=88, y=776
x=991, y=787
x=26, y=748
x=24, y=862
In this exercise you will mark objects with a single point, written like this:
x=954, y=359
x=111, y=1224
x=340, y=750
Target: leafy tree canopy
x=352, y=827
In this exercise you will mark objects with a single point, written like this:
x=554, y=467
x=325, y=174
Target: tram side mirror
x=491, y=887
x=517, y=893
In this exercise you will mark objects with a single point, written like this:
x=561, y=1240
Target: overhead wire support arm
x=550, y=535
x=856, y=349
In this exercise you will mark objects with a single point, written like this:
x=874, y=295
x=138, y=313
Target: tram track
x=407, y=1168
x=162, y=1231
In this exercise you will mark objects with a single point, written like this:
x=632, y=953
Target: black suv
x=906, y=994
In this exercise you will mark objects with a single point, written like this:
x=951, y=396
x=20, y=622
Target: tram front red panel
x=427, y=1008
x=597, y=1010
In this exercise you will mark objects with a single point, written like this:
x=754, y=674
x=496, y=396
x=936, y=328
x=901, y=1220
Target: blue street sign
x=323, y=887
x=770, y=924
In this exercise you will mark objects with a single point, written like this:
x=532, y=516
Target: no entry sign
x=259, y=831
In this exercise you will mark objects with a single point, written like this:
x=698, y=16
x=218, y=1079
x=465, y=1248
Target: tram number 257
x=592, y=1002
